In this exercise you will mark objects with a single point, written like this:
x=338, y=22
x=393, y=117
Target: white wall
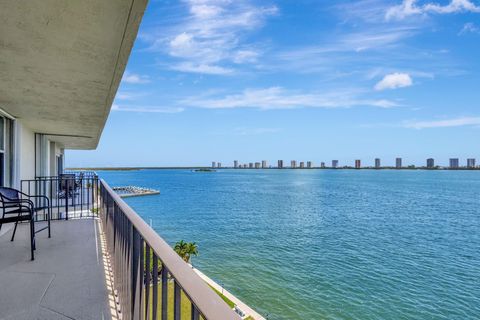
x=25, y=152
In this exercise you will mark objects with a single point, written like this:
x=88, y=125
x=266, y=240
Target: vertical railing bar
x=155, y=286
x=177, y=301
x=164, y=293
x=147, y=281
x=195, y=313
x=140, y=279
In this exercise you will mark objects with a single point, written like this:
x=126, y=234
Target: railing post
x=155, y=287
x=136, y=272
x=177, y=301
x=147, y=280
x=164, y=293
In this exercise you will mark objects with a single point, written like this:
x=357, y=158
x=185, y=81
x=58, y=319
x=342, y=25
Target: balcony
x=102, y=262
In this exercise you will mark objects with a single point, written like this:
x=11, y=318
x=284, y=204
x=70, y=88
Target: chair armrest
x=19, y=203
x=36, y=196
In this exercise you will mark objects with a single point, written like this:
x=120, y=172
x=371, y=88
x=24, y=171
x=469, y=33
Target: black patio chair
x=67, y=185
x=17, y=206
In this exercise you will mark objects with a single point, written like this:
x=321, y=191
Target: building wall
x=25, y=152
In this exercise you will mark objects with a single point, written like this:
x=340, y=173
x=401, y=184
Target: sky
x=224, y=80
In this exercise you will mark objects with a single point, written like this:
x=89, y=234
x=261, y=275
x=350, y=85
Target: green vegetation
x=249, y=318
x=186, y=250
x=228, y=301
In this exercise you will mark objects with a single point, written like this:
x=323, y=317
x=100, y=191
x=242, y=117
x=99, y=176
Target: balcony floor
x=66, y=280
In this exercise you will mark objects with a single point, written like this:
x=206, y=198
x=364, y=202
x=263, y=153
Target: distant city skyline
x=453, y=163
x=354, y=79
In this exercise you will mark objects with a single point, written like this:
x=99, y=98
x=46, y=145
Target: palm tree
x=181, y=249
x=192, y=250
x=186, y=250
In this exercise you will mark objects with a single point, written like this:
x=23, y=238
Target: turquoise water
x=327, y=244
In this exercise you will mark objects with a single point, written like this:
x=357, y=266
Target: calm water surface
x=327, y=244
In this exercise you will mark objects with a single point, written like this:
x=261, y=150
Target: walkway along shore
x=245, y=308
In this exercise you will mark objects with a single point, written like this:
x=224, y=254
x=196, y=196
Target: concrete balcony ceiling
x=61, y=63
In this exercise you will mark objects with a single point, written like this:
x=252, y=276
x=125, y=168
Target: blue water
x=327, y=244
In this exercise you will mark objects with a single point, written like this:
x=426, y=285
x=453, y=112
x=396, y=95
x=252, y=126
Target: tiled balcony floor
x=66, y=280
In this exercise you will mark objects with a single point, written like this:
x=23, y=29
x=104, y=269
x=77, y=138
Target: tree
x=186, y=250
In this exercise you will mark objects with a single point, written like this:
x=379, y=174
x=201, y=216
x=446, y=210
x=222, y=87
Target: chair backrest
x=67, y=181
x=7, y=194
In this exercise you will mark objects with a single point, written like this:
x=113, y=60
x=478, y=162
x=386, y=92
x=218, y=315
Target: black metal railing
x=71, y=195
x=146, y=270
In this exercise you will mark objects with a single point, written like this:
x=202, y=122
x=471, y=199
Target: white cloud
x=279, y=98
x=394, y=81
x=147, y=109
x=134, y=78
x=201, y=68
x=212, y=36
x=455, y=122
x=469, y=27
x=409, y=8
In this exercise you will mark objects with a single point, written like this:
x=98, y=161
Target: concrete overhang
x=61, y=62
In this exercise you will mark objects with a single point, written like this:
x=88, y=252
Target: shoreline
x=242, y=305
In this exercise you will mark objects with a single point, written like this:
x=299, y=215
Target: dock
x=133, y=191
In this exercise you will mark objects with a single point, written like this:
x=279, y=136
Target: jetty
x=133, y=191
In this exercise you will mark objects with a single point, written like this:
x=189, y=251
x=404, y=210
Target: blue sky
x=219, y=80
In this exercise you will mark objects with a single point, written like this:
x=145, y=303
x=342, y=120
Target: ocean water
x=327, y=244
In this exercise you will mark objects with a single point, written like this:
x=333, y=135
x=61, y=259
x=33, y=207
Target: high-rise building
x=454, y=163
x=293, y=164
x=377, y=163
x=235, y=164
x=398, y=163
x=280, y=164
x=257, y=165
x=358, y=164
x=264, y=164
x=430, y=163
x=250, y=165
x=322, y=165
x=302, y=164
x=214, y=164
x=219, y=165
x=309, y=164
x=471, y=163
x=334, y=163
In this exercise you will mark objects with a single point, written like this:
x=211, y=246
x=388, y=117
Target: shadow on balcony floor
x=66, y=280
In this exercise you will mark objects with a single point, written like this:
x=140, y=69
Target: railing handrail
x=210, y=305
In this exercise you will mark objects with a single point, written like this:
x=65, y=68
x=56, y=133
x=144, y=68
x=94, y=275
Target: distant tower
x=454, y=163
x=219, y=165
x=235, y=164
x=358, y=164
x=398, y=163
x=322, y=165
x=293, y=164
x=264, y=164
x=334, y=163
x=280, y=164
x=430, y=163
x=309, y=164
x=471, y=163
x=250, y=165
x=377, y=163
x=302, y=164
x=257, y=165
x=214, y=164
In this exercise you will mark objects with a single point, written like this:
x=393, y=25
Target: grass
x=186, y=306
x=228, y=301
